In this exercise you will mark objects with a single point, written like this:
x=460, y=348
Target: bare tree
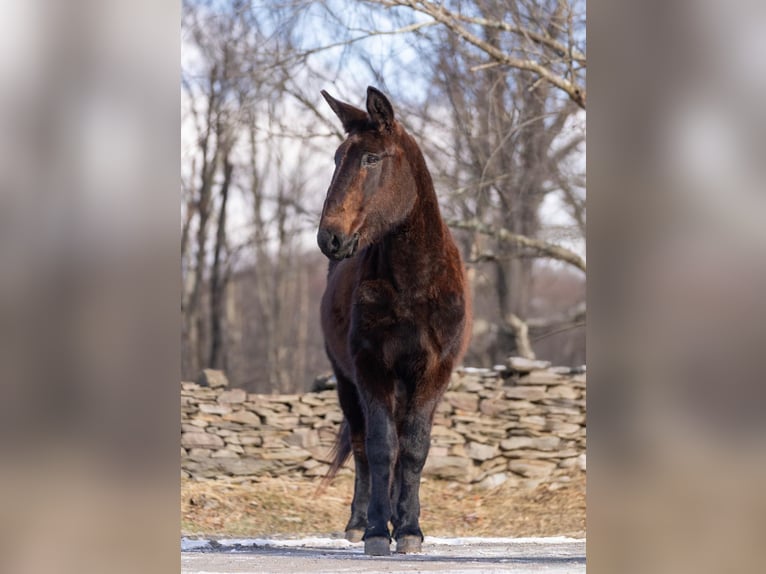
x=492, y=96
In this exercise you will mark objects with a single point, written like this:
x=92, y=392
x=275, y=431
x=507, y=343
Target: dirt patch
x=279, y=506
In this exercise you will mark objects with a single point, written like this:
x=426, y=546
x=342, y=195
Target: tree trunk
x=217, y=279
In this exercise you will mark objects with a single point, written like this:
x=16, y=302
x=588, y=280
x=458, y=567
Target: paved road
x=328, y=555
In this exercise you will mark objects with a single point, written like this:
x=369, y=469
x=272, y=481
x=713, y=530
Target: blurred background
x=494, y=92
x=90, y=166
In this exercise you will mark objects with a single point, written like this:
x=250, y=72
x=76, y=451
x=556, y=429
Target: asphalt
x=327, y=555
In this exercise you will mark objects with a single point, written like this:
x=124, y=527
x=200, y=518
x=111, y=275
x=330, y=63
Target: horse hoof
x=377, y=546
x=354, y=535
x=409, y=544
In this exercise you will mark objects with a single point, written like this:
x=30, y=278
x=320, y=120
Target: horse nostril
x=330, y=242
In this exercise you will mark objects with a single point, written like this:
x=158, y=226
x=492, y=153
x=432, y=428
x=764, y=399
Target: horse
x=395, y=316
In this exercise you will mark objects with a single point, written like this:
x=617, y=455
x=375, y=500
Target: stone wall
x=523, y=422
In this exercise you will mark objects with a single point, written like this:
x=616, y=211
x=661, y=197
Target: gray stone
x=454, y=450
x=442, y=435
x=493, y=407
x=199, y=453
x=494, y=464
x=467, y=402
x=205, y=468
x=563, y=392
x=522, y=365
x=312, y=399
x=224, y=453
x=561, y=370
x=243, y=417
x=212, y=378
x=444, y=408
x=319, y=470
x=301, y=409
x=564, y=429
x=519, y=406
x=250, y=440
x=442, y=421
x=468, y=418
x=309, y=463
x=235, y=447
x=493, y=480
x=557, y=455
x=203, y=439
x=245, y=466
x=478, y=451
x=529, y=392
x=568, y=463
x=533, y=421
x=441, y=450
x=540, y=378
x=233, y=396
x=214, y=409
x=471, y=386
x=450, y=467
x=287, y=454
x=321, y=453
x=538, y=443
x=532, y=468
x=282, y=422
x=334, y=416
x=303, y=438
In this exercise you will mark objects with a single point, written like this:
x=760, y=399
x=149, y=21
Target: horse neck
x=425, y=216
x=421, y=240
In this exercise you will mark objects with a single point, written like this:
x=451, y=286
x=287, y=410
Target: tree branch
x=450, y=19
x=541, y=39
x=542, y=247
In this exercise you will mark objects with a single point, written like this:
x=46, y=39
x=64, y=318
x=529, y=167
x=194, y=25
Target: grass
x=291, y=507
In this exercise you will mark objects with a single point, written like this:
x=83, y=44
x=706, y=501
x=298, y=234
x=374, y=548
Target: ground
x=291, y=507
x=333, y=556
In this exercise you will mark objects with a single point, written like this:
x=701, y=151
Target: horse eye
x=370, y=159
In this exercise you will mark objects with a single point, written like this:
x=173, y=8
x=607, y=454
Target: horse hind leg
x=357, y=523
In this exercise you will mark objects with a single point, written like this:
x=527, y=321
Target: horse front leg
x=381, y=446
x=414, y=443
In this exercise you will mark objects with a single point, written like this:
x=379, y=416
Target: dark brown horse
x=395, y=316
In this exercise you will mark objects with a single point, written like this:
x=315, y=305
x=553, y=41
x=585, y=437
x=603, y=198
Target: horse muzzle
x=337, y=245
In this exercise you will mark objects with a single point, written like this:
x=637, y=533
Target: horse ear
x=380, y=109
x=348, y=114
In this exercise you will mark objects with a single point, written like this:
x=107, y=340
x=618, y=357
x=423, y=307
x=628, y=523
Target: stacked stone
x=522, y=422
x=232, y=433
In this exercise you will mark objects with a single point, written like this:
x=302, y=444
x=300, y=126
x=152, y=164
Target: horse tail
x=340, y=453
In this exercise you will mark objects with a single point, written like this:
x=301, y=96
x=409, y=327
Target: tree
x=493, y=91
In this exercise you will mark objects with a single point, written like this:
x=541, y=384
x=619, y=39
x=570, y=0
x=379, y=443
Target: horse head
x=373, y=188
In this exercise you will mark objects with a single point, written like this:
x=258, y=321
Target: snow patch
x=482, y=540
x=191, y=544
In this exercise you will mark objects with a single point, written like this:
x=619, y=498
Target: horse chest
x=393, y=323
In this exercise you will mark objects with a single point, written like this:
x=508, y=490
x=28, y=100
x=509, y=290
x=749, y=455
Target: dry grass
x=278, y=506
